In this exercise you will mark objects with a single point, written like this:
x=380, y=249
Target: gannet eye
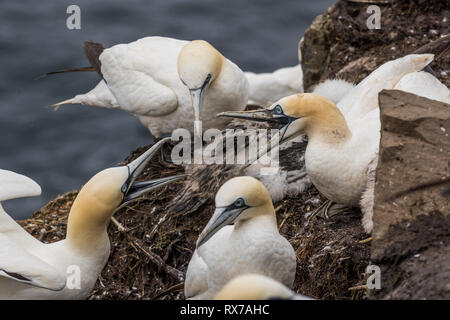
x=278, y=110
x=239, y=203
x=124, y=188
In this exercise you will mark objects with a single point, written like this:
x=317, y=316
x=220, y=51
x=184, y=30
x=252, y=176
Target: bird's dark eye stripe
x=238, y=203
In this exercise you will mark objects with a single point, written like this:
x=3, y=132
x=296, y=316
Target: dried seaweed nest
x=149, y=258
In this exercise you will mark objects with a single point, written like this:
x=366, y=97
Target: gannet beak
x=197, y=102
x=140, y=188
x=132, y=189
x=263, y=115
x=221, y=217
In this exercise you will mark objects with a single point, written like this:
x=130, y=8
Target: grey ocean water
x=62, y=149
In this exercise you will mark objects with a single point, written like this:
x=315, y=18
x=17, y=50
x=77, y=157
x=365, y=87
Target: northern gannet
x=67, y=269
x=167, y=83
x=257, y=287
x=343, y=140
x=252, y=245
x=291, y=178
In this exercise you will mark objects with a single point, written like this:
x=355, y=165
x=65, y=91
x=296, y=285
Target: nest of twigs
x=149, y=258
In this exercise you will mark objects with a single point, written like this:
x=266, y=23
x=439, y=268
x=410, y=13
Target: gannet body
x=266, y=88
x=67, y=269
x=257, y=287
x=167, y=83
x=333, y=89
x=252, y=245
x=343, y=140
x=424, y=84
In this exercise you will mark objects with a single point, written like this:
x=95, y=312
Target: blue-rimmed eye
x=278, y=110
x=124, y=188
x=208, y=78
x=239, y=203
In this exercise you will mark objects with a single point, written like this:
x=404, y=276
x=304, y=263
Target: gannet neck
x=322, y=120
x=264, y=219
x=93, y=207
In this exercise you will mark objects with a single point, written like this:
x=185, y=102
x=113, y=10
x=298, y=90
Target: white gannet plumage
x=14, y=259
x=100, y=97
x=266, y=88
x=257, y=287
x=252, y=245
x=424, y=84
x=343, y=140
x=67, y=269
x=160, y=80
x=333, y=89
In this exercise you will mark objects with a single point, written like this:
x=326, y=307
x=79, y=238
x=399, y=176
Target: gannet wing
x=141, y=75
x=424, y=84
x=196, y=277
x=12, y=186
x=364, y=97
x=19, y=265
x=267, y=88
x=333, y=89
x=291, y=78
x=100, y=97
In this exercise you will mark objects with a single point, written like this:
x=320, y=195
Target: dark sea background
x=62, y=149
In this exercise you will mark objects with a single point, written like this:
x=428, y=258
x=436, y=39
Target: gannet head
x=199, y=64
x=99, y=198
x=299, y=113
x=254, y=287
x=238, y=199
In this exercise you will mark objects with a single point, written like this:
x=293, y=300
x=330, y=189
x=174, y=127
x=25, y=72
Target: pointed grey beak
x=221, y=218
x=138, y=165
x=140, y=188
x=263, y=115
x=132, y=189
x=197, y=102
